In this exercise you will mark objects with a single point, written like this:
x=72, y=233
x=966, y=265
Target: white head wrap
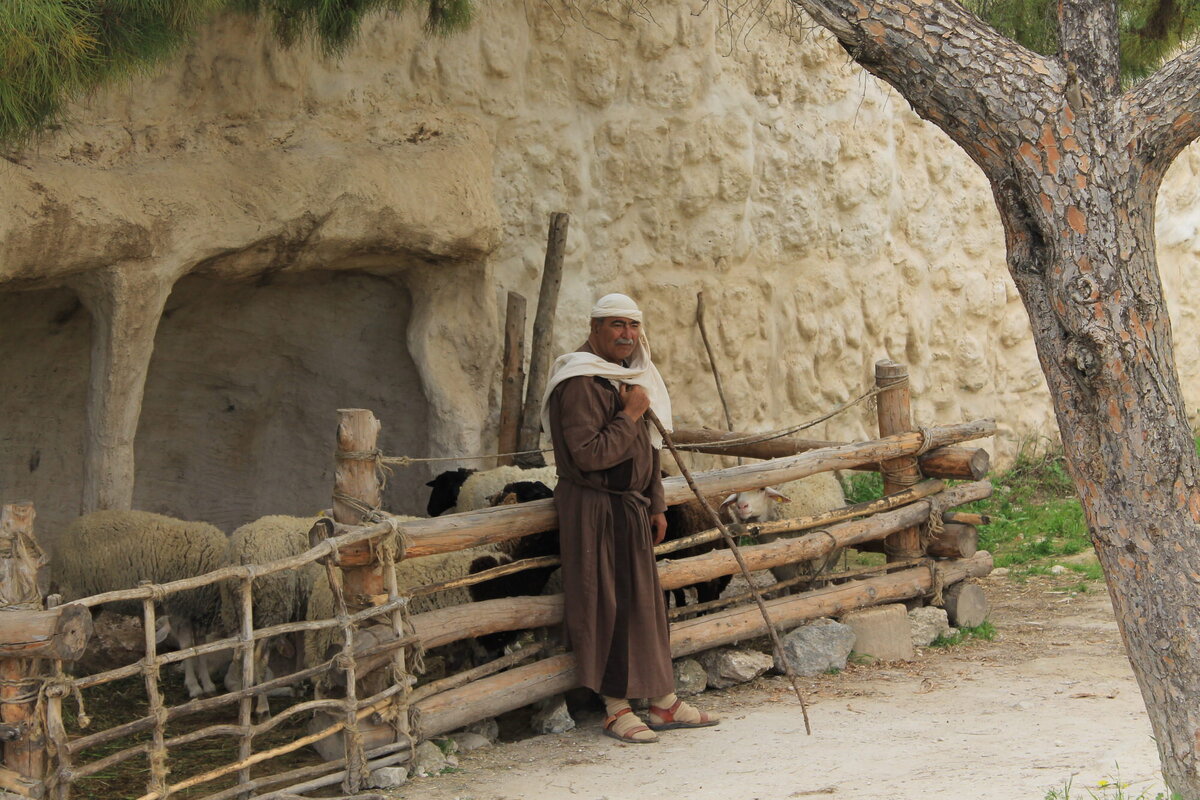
x=640, y=372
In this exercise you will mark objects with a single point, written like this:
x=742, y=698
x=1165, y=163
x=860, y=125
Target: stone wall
x=317, y=234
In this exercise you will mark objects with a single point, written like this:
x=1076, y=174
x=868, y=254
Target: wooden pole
x=895, y=417
x=543, y=340
x=513, y=383
x=524, y=685
x=20, y=560
x=955, y=463
x=492, y=525
x=712, y=361
x=356, y=494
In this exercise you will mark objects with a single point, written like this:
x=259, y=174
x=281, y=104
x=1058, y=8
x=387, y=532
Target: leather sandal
x=669, y=722
x=628, y=735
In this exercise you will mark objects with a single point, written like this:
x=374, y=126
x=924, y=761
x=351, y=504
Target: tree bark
x=1075, y=170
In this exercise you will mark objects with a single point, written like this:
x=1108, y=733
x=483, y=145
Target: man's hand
x=658, y=527
x=634, y=401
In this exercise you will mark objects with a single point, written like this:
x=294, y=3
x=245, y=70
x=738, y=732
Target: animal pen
x=378, y=710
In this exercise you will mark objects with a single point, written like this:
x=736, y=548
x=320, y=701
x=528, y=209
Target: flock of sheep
x=111, y=550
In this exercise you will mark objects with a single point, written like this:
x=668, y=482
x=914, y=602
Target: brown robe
x=609, y=485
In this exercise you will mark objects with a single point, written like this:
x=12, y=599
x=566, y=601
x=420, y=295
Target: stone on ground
x=428, y=759
x=882, y=632
x=388, y=778
x=552, y=716
x=690, y=677
x=817, y=647
x=927, y=624
x=487, y=728
x=469, y=740
x=727, y=667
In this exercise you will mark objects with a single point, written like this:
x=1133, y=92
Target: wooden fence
x=373, y=705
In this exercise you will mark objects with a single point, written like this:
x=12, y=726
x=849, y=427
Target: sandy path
x=1051, y=699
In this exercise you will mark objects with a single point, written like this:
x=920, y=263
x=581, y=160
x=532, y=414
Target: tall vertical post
x=895, y=416
x=20, y=559
x=513, y=386
x=543, y=338
x=356, y=494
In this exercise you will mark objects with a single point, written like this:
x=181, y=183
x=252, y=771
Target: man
x=610, y=513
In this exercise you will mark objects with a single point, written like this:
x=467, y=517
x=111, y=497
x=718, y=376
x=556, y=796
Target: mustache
x=624, y=341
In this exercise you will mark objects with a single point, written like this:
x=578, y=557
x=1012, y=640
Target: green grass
x=1108, y=789
x=1036, y=517
x=985, y=631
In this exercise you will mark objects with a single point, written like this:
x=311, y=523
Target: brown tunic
x=609, y=485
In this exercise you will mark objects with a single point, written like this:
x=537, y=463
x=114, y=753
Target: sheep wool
x=478, y=489
x=110, y=550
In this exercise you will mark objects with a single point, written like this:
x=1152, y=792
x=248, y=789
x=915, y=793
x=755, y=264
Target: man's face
x=615, y=338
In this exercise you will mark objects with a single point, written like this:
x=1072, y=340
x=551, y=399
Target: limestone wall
x=321, y=234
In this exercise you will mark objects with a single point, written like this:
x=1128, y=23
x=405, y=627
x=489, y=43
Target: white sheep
x=480, y=488
x=277, y=598
x=811, y=495
x=110, y=550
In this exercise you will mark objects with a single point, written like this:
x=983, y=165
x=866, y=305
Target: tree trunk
x=1075, y=170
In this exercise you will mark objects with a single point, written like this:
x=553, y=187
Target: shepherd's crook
x=737, y=554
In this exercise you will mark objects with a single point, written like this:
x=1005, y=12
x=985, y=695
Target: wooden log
x=955, y=541
x=966, y=605
x=951, y=463
x=20, y=560
x=493, y=525
x=543, y=337
x=674, y=574
x=513, y=380
x=898, y=473
x=13, y=781
x=524, y=685
x=446, y=625
x=966, y=518
x=356, y=492
x=956, y=463
x=61, y=632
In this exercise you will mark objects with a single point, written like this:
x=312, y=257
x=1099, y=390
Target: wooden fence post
x=356, y=493
x=513, y=384
x=23, y=734
x=543, y=339
x=895, y=417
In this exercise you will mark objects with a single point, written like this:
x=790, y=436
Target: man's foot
x=679, y=715
x=624, y=726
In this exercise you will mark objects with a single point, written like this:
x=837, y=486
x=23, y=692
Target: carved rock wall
x=322, y=234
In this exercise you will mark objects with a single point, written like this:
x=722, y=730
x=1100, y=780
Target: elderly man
x=610, y=512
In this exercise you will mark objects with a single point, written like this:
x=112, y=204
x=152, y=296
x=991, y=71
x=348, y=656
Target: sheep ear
x=777, y=496
x=728, y=501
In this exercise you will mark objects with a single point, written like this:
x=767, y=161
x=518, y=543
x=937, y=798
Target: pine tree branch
x=1164, y=111
x=954, y=70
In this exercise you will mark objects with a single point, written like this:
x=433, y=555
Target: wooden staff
x=731, y=543
x=712, y=361
x=513, y=382
x=543, y=335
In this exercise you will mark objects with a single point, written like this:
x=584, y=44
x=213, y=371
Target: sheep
x=278, y=598
x=468, y=490
x=684, y=520
x=109, y=550
x=811, y=495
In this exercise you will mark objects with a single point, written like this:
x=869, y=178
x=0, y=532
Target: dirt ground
x=1050, y=700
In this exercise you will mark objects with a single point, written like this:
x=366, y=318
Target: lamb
x=109, y=550
x=468, y=490
x=811, y=495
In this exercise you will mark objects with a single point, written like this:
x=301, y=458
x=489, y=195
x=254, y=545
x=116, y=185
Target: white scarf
x=640, y=372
